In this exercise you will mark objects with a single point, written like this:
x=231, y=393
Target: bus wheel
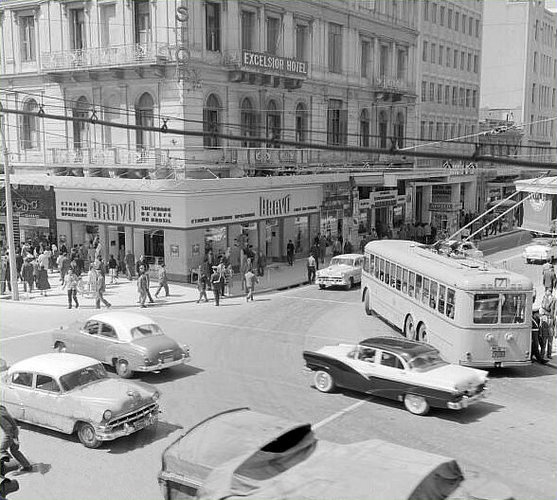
x=409, y=327
x=367, y=303
x=416, y=405
x=421, y=334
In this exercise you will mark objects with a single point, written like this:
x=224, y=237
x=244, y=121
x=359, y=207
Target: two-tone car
x=404, y=370
x=128, y=342
x=343, y=270
x=71, y=394
x=541, y=250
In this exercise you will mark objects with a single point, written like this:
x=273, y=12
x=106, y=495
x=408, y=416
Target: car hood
x=155, y=344
x=455, y=376
x=336, y=269
x=537, y=248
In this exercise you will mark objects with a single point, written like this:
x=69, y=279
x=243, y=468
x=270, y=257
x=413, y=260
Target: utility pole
x=9, y=210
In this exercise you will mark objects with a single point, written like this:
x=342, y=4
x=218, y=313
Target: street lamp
x=9, y=209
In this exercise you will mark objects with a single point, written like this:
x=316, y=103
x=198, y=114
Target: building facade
x=519, y=70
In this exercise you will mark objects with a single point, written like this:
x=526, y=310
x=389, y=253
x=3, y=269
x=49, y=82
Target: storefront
x=336, y=211
x=383, y=210
x=181, y=227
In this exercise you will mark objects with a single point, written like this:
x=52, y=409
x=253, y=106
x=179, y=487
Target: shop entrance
x=153, y=242
x=272, y=239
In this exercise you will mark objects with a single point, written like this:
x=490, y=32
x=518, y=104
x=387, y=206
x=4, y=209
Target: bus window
x=450, y=303
x=411, y=284
x=367, y=260
x=393, y=275
x=425, y=292
x=404, y=280
x=398, y=277
x=418, y=286
x=486, y=308
x=387, y=272
x=370, y=262
x=441, y=303
x=512, y=309
x=433, y=295
x=382, y=269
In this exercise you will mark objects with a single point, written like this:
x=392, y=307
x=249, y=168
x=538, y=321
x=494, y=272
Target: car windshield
x=146, y=331
x=426, y=361
x=338, y=261
x=82, y=377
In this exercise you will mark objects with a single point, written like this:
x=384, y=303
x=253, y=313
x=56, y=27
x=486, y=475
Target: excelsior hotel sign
x=273, y=63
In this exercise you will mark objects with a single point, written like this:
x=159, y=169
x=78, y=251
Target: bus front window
x=512, y=309
x=486, y=308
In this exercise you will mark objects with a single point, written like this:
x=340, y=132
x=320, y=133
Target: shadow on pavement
x=534, y=370
x=141, y=438
x=168, y=375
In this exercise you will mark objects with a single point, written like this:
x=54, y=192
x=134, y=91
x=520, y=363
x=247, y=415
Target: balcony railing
x=119, y=55
x=391, y=84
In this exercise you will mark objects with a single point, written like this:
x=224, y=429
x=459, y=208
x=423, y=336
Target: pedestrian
x=261, y=263
x=42, y=280
x=18, y=264
x=337, y=247
x=348, y=247
x=427, y=233
x=129, y=263
x=55, y=255
x=141, y=262
x=42, y=259
x=314, y=250
x=27, y=275
x=163, y=281
x=290, y=253
x=202, y=283
x=5, y=275
x=91, y=278
x=547, y=323
x=228, y=274
x=63, y=265
x=113, y=270
x=215, y=284
x=72, y=283
x=311, y=269
x=251, y=280
x=142, y=285
x=100, y=288
x=549, y=279
x=322, y=248
x=10, y=435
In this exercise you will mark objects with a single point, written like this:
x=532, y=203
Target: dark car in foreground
x=404, y=370
x=243, y=454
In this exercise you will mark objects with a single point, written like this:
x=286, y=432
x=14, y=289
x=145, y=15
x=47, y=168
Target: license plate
x=498, y=353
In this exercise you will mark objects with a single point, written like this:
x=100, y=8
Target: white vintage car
x=541, y=250
x=72, y=393
x=344, y=270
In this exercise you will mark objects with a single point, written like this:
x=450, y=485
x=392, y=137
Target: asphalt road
x=250, y=355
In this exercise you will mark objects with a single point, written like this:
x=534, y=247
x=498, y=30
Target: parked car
x=541, y=250
x=344, y=270
x=74, y=394
x=241, y=454
x=129, y=342
x=405, y=370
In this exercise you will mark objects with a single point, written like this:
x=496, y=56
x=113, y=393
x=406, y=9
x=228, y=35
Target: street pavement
x=249, y=354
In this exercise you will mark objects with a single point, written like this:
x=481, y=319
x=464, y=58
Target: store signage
x=258, y=60
x=444, y=207
x=274, y=207
x=380, y=199
x=113, y=212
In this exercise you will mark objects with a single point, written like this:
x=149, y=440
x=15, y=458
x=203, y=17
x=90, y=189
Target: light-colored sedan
x=74, y=394
x=344, y=270
x=541, y=250
x=127, y=341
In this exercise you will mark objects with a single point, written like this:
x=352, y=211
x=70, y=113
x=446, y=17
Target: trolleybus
x=475, y=314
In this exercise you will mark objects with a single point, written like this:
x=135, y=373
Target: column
x=138, y=243
x=128, y=235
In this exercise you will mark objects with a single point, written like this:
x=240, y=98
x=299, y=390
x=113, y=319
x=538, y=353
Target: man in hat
x=216, y=284
x=100, y=286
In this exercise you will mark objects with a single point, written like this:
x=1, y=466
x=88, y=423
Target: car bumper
x=331, y=281
x=161, y=365
x=496, y=364
x=109, y=434
x=466, y=401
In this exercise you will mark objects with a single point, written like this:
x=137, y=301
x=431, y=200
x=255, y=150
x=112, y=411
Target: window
x=425, y=291
x=144, y=117
x=535, y=62
x=273, y=126
x=335, y=48
x=366, y=354
x=248, y=125
x=433, y=12
x=107, y=331
x=399, y=130
x=462, y=60
x=433, y=53
x=108, y=23
x=211, y=121
x=77, y=29
x=447, y=95
x=442, y=15
x=486, y=308
x=441, y=303
x=301, y=42
x=391, y=360
x=273, y=35
x=142, y=22
x=411, y=277
x=426, y=10
x=27, y=27
x=387, y=279
x=475, y=64
x=450, y=18
x=366, y=51
x=379, y=268
x=401, y=64
x=456, y=20
x=398, y=277
x=424, y=51
x=448, y=59
x=212, y=26
x=432, y=92
x=30, y=126
x=533, y=93
x=22, y=378
x=364, y=128
x=461, y=97
x=455, y=60
x=441, y=54
x=46, y=383
x=440, y=93
x=433, y=295
x=91, y=328
x=248, y=27
x=469, y=65
x=336, y=123
x=455, y=96
x=81, y=129
x=418, y=290
x=383, y=124
x=301, y=123
x=468, y=98
x=464, y=23
x=513, y=307
x=470, y=26
x=474, y=98
x=424, y=91
x=384, y=57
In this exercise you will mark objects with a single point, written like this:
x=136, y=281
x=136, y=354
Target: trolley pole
x=9, y=211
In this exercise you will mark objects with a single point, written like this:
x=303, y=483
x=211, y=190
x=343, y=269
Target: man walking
x=142, y=286
x=10, y=440
x=549, y=279
x=311, y=264
x=100, y=287
x=547, y=323
x=202, y=283
x=251, y=280
x=290, y=253
x=163, y=281
x=129, y=262
x=71, y=283
x=215, y=284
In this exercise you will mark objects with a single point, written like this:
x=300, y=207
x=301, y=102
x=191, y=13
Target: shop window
x=27, y=36
x=144, y=117
x=335, y=48
x=142, y=21
x=383, y=124
x=81, y=129
x=248, y=126
x=336, y=123
x=212, y=26
x=273, y=128
x=30, y=126
x=154, y=246
x=364, y=128
x=211, y=121
x=301, y=123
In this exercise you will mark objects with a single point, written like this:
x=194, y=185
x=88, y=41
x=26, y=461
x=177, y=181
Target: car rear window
x=146, y=331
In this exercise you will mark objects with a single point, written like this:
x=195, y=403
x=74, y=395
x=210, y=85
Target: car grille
x=135, y=416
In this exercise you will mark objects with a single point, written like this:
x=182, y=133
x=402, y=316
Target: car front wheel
x=416, y=405
x=123, y=369
x=87, y=436
x=323, y=381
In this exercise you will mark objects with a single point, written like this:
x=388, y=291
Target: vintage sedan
x=401, y=369
x=74, y=394
x=541, y=250
x=129, y=342
x=241, y=454
x=344, y=270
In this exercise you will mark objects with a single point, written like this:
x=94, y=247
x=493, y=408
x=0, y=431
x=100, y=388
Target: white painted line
x=29, y=334
x=340, y=413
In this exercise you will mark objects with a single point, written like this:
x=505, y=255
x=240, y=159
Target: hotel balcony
x=387, y=88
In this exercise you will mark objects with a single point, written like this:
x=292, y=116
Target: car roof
x=348, y=255
x=404, y=347
x=122, y=320
x=53, y=364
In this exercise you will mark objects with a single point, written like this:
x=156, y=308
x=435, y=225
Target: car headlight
x=186, y=349
x=156, y=396
x=107, y=415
